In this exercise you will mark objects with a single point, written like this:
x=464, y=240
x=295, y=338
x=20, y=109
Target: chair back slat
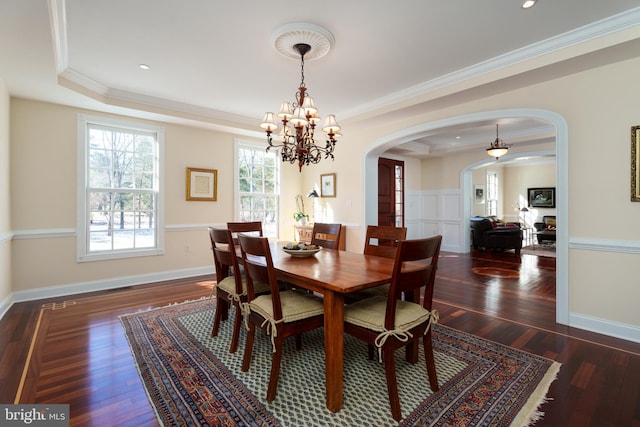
x=224, y=256
x=382, y=240
x=326, y=235
x=415, y=267
x=253, y=228
x=258, y=266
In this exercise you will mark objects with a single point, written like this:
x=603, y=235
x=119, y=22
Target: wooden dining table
x=334, y=274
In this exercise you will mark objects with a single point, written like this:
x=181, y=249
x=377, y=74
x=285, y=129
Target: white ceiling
x=213, y=63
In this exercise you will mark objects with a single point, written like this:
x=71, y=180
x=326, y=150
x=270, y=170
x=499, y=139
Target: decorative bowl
x=302, y=253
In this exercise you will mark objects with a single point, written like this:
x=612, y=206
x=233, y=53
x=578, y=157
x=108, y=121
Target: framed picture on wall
x=544, y=197
x=328, y=185
x=202, y=185
x=635, y=164
x=478, y=194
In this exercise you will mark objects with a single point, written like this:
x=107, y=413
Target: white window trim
x=82, y=254
x=488, y=201
x=240, y=143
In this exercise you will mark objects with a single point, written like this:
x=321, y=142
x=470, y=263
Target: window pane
x=258, y=187
x=125, y=161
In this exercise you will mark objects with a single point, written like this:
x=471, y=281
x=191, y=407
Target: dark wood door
x=390, y=192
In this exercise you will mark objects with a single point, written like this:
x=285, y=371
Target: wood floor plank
x=81, y=356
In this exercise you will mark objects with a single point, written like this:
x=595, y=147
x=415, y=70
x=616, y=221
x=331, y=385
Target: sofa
x=546, y=229
x=487, y=234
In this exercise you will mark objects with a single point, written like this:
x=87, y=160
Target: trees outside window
x=257, y=183
x=119, y=202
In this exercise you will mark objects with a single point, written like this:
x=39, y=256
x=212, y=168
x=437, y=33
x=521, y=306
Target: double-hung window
x=257, y=186
x=119, y=165
x=491, y=207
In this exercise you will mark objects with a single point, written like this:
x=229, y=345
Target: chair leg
x=431, y=362
x=392, y=383
x=248, y=348
x=235, y=336
x=298, y=341
x=276, y=359
x=219, y=316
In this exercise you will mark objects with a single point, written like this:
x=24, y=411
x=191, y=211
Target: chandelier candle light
x=299, y=120
x=498, y=147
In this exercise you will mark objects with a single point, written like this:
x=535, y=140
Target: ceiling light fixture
x=526, y=4
x=498, y=147
x=144, y=67
x=299, y=119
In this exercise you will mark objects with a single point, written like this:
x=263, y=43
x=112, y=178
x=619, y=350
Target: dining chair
x=390, y=323
x=326, y=235
x=280, y=313
x=380, y=240
x=231, y=287
x=253, y=228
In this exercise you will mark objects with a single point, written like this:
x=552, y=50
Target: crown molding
x=447, y=83
x=563, y=42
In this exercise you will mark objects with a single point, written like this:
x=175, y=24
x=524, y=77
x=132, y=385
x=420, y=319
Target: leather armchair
x=485, y=236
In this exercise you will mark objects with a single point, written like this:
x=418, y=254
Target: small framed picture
x=202, y=185
x=328, y=185
x=478, y=194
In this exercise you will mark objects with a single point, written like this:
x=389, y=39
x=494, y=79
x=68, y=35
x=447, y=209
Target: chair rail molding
x=605, y=245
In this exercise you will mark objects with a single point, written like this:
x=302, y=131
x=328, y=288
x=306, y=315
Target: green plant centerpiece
x=300, y=216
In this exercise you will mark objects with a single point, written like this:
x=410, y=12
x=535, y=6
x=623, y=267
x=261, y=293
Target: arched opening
x=561, y=153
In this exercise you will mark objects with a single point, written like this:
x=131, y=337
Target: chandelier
x=498, y=147
x=297, y=138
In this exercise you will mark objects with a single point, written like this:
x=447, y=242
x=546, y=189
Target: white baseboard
x=5, y=305
x=605, y=327
x=101, y=285
x=593, y=324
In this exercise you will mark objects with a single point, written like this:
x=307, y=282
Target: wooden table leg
x=334, y=348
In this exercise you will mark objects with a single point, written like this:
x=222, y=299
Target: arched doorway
x=561, y=152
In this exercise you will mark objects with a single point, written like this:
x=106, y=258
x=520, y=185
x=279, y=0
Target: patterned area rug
x=547, y=249
x=192, y=379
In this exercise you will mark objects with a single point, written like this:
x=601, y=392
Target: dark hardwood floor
x=77, y=352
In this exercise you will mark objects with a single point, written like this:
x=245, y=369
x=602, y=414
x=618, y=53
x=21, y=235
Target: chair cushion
x=228, y=284
x=295, y=305
x=369, y=313
x=382, y=290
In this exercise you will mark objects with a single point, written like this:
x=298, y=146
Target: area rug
x=547, y=249
x=192, y=379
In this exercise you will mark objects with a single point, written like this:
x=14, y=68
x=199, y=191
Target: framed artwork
x=635, y=164
x=202, y=185
x=478, y=194
x=544, y=197
x=328, y=185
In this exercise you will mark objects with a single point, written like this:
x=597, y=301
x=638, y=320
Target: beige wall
x=5, y=198
x=599, y=105
x=516, y=182
x=44, y=165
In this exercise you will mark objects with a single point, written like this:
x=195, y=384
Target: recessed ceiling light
x=458, y=137
x=526, y=4
x=145, y=67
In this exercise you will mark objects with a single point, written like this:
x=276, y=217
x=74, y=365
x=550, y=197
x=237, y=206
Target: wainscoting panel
x=434, y=212
x=430, y=204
